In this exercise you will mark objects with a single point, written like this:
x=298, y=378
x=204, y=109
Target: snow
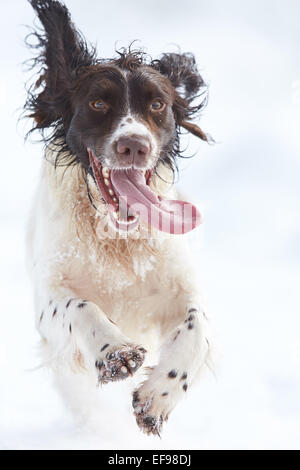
x=247, y=252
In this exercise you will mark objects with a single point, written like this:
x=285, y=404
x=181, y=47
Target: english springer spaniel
x=114, y=286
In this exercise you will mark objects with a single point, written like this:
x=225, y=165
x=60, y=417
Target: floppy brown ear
x=62, y=53
x=181, y=70
x=194, y=129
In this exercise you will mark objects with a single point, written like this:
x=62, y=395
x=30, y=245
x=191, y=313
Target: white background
x=247, y=251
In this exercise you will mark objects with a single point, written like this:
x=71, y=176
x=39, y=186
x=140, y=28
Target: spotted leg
x=79, y=327
x=182, y=355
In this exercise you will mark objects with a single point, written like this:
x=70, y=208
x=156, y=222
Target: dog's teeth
x=111, y=192
x=116, y=214
x=105, y=172
x=132, y=364
x=107, y=182
x=115, y=199
x=123, y=370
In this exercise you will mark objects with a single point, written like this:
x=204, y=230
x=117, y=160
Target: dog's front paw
x=154, y=400
x=148, y=417
x=119, y=363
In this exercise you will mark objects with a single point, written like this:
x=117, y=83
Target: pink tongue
x=175, y=217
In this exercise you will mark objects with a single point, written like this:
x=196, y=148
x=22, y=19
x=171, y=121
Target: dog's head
x=118, y=118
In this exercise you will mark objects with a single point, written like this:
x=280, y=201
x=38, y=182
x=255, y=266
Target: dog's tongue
x=175, y=217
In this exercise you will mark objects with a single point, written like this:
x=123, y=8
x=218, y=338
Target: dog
x=114, y=285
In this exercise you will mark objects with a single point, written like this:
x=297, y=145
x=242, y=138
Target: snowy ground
x=247, y=252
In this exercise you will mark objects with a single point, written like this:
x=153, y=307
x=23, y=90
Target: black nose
x=133, y=147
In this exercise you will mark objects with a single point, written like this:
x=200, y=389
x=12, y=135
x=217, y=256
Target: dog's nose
x=133, y=147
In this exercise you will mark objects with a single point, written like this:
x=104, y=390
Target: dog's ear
x=63, y=53
x=182, y=72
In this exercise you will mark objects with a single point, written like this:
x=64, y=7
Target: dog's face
x=116, y=118
x=125, y=117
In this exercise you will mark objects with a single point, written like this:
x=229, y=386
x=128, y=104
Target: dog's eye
x=98, y=105
x=157, y=105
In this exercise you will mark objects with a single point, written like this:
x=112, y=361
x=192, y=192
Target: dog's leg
x=67, y=323
x=183, y=354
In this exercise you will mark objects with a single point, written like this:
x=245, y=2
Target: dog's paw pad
x=150, y=424
x=148, y=421
x=120, y=363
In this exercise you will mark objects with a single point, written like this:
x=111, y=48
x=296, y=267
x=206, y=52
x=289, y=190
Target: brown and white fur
x=108, y=306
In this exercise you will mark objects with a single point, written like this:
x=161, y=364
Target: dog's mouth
x=131, y=201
